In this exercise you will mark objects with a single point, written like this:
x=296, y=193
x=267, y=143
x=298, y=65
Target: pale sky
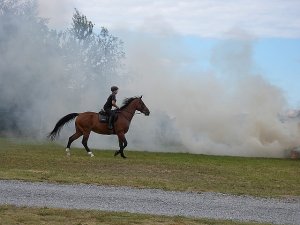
x=205, y=18
x=274, y=23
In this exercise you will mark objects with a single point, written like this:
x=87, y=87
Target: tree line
x=38, y=63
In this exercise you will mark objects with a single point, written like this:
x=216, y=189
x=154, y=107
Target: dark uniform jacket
x=108, y=105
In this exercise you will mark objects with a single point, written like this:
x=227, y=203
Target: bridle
x=141, y=111
x=143, y=108
x=130, y=112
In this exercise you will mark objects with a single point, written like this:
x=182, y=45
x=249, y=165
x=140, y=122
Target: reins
x=123, y=110
x=129, y=112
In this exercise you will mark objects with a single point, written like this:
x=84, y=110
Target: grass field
x=11, y=215
x=47, y=162
x=169, y=171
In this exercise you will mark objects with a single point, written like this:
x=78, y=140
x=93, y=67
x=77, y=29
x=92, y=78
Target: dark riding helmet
x=114, y=88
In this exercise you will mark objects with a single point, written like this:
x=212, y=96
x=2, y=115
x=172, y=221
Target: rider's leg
x=109, y=114
x=111, y=120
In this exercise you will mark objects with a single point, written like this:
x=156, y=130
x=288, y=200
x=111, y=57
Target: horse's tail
x=59, y=125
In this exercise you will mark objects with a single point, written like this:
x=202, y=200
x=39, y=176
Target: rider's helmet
x=114, y=88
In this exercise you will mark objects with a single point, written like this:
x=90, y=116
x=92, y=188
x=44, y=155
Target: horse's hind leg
x=84, y=143
x=71, y=139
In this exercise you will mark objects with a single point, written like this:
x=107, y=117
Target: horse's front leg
x=122, y=145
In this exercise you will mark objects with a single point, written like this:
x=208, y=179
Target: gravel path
x=151, y=201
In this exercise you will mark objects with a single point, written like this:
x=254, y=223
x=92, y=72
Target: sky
x=273, y=26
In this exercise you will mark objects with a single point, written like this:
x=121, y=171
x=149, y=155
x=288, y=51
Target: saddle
x=104, y=117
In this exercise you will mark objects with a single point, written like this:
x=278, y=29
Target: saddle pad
x=103, y=118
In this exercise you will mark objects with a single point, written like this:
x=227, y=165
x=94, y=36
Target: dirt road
x=151, y=201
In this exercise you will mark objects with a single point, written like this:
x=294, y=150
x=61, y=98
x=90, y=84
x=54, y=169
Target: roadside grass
x=11, y=215
x=47, y=162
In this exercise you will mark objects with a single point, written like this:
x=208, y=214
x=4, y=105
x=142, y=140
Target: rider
x=111, y=101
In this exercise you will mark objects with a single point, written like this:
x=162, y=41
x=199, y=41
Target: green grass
x=11, y=215
x=169, y=171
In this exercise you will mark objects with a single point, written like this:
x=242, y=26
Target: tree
x=41, y=69
x=82, y=28
x=97, y=56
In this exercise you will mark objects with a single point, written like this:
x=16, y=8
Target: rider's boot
x=110, y=122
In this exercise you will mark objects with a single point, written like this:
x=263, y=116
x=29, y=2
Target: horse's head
x=142, y=107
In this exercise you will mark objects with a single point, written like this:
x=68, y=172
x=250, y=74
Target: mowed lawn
x=11, y=215
x=47, y=162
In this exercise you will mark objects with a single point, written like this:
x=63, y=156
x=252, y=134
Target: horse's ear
x=141, y=96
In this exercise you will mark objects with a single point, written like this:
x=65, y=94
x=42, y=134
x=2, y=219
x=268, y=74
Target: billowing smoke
x=230, y=110
x=46, y=74
x=62, y=9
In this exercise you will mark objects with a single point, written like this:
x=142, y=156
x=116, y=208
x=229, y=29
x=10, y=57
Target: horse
x=90, y=121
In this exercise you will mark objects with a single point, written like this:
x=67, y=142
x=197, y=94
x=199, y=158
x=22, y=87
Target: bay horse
x=89, y=121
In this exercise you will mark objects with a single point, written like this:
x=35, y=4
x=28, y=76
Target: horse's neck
x=129, y=110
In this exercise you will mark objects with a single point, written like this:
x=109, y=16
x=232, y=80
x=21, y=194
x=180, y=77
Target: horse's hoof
x=91, y=154
x=117, y=153
x=68, y=152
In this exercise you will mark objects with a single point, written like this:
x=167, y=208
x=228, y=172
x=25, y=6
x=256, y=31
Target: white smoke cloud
x=59, y=12
x=235, y=113
x=231, y=110
x=203, y=18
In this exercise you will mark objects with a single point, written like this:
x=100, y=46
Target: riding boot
x=110, y=122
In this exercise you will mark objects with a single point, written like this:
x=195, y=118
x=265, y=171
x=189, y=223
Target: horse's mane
x=127, y=101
